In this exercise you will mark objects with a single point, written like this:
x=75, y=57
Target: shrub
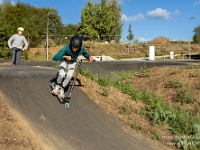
x=6, y=53
x=25, y=54
x=144, y=71
x=175, y=84
x=185, y=97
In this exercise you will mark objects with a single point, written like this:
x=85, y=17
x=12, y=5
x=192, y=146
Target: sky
x=149, y=19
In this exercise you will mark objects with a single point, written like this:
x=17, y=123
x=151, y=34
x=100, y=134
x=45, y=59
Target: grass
x=193, y=74
x=174, y=72
x=136, y=127
x=191, y=67
x=175, y=84
x=125, y=109
x=55, y=67
x=197, y=85
x=185, y=97
x=144, y=71
x=105, y=91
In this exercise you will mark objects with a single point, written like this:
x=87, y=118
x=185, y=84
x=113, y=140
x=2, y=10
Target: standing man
x=15, y=43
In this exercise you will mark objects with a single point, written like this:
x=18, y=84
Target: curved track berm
x=85, y=126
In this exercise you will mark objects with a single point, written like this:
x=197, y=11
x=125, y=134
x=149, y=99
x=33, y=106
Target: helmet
x=20, y=29
x=76, y=41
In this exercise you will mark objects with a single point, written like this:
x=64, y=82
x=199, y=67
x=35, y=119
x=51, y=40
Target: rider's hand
x=11, y=47
x=67, y=57
x=90, y=59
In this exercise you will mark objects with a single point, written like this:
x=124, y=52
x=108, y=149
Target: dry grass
x=120, y=51
x=39, y=54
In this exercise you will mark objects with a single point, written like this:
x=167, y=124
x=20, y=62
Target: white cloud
x=176, y=13
x=12, y=2
x=197, y=3
x=144, y=40
x=122, y=1
x=159, y=13
x=133, y=18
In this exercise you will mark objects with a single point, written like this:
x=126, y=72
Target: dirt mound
x=15, y=133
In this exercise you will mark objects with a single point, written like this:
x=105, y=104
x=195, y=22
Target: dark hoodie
x=68, y=52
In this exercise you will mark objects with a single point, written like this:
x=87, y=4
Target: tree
x=101, y=21
x=70, y=30
x=89, y=18
x=196, y=37
x=33, y=19
x=105, y=21
x=116, y=28
x=130, y=37
x=3, y=32
x=3, y=38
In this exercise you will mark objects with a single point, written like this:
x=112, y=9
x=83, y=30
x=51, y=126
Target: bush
x=1, y=55
x=6, y=53
x=25, y=54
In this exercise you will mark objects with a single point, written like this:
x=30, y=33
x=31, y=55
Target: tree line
x=99, y=21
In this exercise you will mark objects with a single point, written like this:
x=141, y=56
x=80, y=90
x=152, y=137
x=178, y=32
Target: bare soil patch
x=15, y=133
x=6, y=63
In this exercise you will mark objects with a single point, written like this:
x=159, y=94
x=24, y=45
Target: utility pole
x=47, y=53
x=189, y=37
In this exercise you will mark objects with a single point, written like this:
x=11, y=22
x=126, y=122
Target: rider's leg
x=60, y=77
x=70, y=72
x=67, y=78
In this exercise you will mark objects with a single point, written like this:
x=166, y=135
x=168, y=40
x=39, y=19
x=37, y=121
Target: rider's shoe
x=62, y=93
x=56, y=89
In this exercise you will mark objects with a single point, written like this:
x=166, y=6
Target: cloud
x=159, y=13
x=176, y=13
x=12, y=2
x=144, y=40
x=197, y=3
x=123, y=1
x=133, y=18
